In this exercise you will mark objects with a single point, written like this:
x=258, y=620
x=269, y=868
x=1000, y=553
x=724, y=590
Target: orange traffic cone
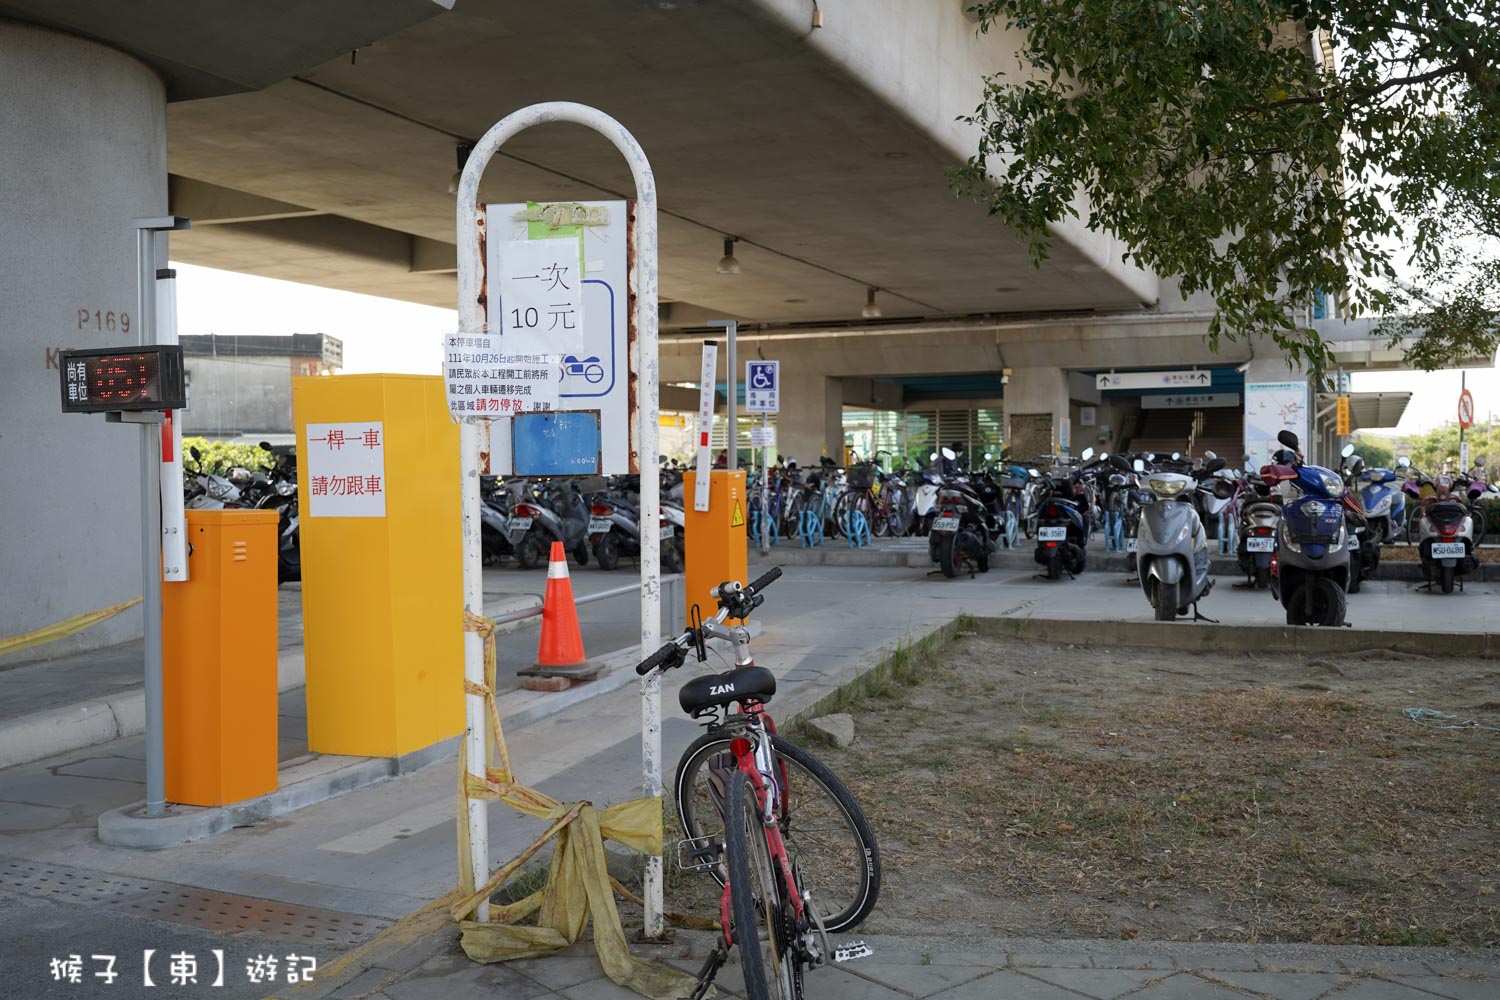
x=561, y=644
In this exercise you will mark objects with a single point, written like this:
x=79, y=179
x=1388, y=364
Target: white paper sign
x=345, y=469
x=541, y=297
x=762, y=437
x=705, y=423
x=481, y=381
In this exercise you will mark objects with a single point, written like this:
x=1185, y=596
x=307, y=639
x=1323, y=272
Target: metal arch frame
x=471, y=319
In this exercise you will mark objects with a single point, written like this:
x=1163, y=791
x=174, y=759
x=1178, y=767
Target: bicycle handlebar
x=732, y=598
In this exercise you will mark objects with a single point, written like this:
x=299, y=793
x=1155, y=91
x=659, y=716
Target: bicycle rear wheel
x=826, y=834
x=758, y=901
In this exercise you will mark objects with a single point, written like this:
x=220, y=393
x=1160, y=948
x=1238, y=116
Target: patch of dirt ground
x=1028, y=789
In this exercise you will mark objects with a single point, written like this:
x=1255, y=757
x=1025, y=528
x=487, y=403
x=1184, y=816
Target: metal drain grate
x=68, y=885
x=223, y=912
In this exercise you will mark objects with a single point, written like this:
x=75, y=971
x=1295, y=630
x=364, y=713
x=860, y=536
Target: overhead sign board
x=762, y=386
x=1154, y=380
x=1190, y=400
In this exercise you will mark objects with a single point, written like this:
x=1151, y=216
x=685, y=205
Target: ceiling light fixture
x=727, y=263
x=871, y=310
x=463, y=151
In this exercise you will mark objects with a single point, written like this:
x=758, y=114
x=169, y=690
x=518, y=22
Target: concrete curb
x=304, y=782
x=32, y=737
x=1203, y=637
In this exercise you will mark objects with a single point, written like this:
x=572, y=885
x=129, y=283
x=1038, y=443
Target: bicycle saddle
x=718, y=690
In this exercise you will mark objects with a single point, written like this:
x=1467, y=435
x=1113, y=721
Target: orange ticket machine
x=715, y=537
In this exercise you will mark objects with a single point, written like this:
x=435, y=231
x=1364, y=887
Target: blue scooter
x=1385, y=505
x=1312, y=561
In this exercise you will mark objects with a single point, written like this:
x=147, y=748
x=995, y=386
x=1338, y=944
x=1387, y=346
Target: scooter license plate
x=1054, y=534
x=668, y=531
x=945, y=524
x=1260, y=545
x=1131, y=544
x=1447, y=550
x=599, y=525
x=519, y=524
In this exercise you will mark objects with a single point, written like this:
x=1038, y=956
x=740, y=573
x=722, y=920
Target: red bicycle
x=769, y=821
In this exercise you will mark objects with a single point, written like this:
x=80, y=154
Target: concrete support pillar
x=811, y=421
x=1037, y=412
x=83, y=152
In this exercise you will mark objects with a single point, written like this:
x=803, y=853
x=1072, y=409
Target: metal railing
x=669, y=591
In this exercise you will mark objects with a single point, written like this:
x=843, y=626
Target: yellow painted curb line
x=407, y=931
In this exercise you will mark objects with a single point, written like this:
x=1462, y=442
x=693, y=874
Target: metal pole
x=472, y=319
x=765, y=475
x=145, y=314
x=732, y=374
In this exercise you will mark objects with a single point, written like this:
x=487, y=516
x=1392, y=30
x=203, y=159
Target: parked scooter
x=1385, y=505
x=1062, y=524
x=560, y=514
x=1445, y=536
x=614, y=526
x=1260, y=520
x=1311, y=575
x=965, y=530
x=1172, y=545
x=279, y=493
x=1364, y=545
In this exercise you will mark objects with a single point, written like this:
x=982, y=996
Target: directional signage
x=762, y=386
x=1155, y=380
x=1190, y=400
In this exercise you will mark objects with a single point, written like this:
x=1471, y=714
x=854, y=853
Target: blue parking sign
x=762, y=386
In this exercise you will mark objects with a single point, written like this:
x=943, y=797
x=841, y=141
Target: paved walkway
x=378, y=854
x=900, y=968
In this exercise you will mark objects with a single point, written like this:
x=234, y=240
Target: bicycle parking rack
x=1114, y=531
x=856, y=528
x=773, y=530
x=1229, y=524
x=810, y=528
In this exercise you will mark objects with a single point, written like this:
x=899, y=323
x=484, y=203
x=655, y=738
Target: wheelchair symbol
x=589, y=369
x=761, y=378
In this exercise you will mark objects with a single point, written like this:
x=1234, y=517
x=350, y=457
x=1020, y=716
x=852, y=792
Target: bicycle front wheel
x=758, y=900
x=826, y=834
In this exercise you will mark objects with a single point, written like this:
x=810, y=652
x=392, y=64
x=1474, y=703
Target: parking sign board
x=762, y=386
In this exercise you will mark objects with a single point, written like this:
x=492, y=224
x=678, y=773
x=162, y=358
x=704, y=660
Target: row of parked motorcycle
x=1309, y=534
x=274, y=488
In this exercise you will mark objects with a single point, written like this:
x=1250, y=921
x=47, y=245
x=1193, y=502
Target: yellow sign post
x=715, y=537
x=378, y=471
x=1342, y=421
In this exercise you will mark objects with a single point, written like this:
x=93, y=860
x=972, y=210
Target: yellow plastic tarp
x=579, y=888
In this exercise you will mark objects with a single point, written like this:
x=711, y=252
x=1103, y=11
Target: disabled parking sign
x=762, y=386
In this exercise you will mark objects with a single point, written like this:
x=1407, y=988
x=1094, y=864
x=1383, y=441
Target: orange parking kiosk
x=715, y=537
x=382, y=581
x=219, y=660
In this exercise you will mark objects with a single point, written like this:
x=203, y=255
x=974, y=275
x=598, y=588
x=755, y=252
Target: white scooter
x=1171, y=546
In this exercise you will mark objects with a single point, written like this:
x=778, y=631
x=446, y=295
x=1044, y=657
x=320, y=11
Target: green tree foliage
x=220, y=456
x=1437, y=450
x=1218, y=143
x=1378, y=452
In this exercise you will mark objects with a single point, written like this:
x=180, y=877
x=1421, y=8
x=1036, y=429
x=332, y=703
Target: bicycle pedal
x=849, y=952
x=698, y=854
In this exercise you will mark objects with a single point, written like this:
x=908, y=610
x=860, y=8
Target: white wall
x=82, y=152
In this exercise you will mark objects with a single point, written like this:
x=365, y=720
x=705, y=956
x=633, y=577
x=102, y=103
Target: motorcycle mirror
x=1347, y=450
x=1138, y=466
x=1103, y=456
x=1034, y=474
x=949, y=454
x=933, y=456
x=197, y=455
x=1214, y=466
x=1287, y=438
x=1176, y=456
x=1403, y=461
x=1209, y=456
x=1479, y=462
x=988, y=456
x=1088, y=453
x=264, y=446
x=1150, y=456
